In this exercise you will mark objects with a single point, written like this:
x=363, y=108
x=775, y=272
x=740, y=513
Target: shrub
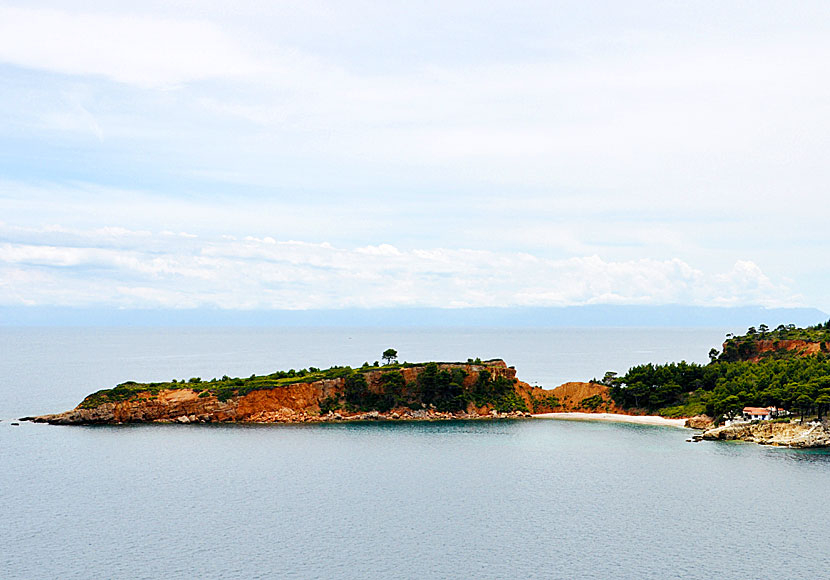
x=330, y=403
x=592, y=402
x=225, y=393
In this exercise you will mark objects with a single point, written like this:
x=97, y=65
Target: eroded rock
x=771, y=433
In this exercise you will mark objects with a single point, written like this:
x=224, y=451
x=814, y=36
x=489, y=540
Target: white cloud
x=381, y=250
x=138, y=50
x=612, y=155
x=266, y=273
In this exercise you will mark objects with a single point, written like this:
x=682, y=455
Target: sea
x=532, y=498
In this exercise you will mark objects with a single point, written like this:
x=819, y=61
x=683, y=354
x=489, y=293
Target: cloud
x=595, y=153
x=138, y=50
x=270, y=274
x=692, y=115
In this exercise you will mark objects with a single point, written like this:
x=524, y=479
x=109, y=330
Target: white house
x=762, y=413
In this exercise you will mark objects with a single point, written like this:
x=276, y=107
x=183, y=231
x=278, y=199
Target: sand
x=641, y=419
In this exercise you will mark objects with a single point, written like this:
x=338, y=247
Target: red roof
x=756, y=411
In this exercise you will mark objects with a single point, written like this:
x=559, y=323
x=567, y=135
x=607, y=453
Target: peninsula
x=393, y=391
x=409, y=391
x=787, y=368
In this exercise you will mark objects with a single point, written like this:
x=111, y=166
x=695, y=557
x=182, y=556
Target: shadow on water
x=487, y=427
x=818, y=456
x=746, y=449
x=449, y=427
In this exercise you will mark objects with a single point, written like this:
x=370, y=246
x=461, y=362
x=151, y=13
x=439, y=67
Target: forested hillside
x=786, y=367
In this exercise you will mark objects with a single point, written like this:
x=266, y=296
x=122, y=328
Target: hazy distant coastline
x=529, y=317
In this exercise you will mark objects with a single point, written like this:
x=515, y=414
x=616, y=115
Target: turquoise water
x=496, y=499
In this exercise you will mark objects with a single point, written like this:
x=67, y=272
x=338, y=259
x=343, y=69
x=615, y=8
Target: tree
x=805, y=403
x=610, y=379
x=729, y=406
x=822, y=402
x=713, y=355
x=390, y=355
x=356, y=392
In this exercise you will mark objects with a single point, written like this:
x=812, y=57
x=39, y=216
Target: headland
x=787, y=369
x=395, y=392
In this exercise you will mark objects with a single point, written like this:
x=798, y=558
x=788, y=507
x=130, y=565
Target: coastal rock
x=800, y=347
x=770, y=433
x=699, y=422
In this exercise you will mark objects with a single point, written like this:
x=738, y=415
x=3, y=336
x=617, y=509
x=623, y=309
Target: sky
x=312, y=154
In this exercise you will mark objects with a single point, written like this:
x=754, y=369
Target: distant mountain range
x=535, y=317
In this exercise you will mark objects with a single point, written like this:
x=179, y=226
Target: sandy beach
x=641, y=419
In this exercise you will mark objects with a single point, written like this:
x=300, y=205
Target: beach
x=640, y=419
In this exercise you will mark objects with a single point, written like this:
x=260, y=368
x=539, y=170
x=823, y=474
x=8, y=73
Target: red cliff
x=297, y=402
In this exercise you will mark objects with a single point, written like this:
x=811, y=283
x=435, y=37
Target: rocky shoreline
x=796, y=435
x=306, y=402
x=324, y=399
x=289, y=416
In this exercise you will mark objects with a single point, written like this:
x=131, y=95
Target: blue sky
x=310, y=154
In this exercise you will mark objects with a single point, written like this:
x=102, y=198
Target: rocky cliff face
x=297, y=402
x=769, y=433
x=798, y=347
x=585, y=397
x=801, y=347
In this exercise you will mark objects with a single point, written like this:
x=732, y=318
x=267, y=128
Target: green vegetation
x=435, y=388
x=593, y=402
x=729, y=382
x=498, y=392
x=223, y=388
x=544, y=403
x=390, y=355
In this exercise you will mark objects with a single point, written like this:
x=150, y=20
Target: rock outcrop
x=699, y=422
x=755, y=350
x=587, y=397
x=771, y=433
x=801, y=347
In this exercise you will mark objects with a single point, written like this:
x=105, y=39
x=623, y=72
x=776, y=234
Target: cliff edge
x=413, y=391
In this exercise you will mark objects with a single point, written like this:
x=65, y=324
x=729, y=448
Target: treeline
x=436, y=388
x=724, y=386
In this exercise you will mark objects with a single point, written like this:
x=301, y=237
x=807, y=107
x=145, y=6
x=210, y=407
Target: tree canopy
x=728, y=383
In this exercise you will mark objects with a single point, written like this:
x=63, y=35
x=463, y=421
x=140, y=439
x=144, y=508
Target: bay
x=488, y=499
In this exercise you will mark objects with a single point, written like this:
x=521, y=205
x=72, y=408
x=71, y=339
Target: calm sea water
x=502, y=499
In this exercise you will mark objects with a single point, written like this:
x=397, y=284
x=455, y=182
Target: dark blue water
x=506, y=499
